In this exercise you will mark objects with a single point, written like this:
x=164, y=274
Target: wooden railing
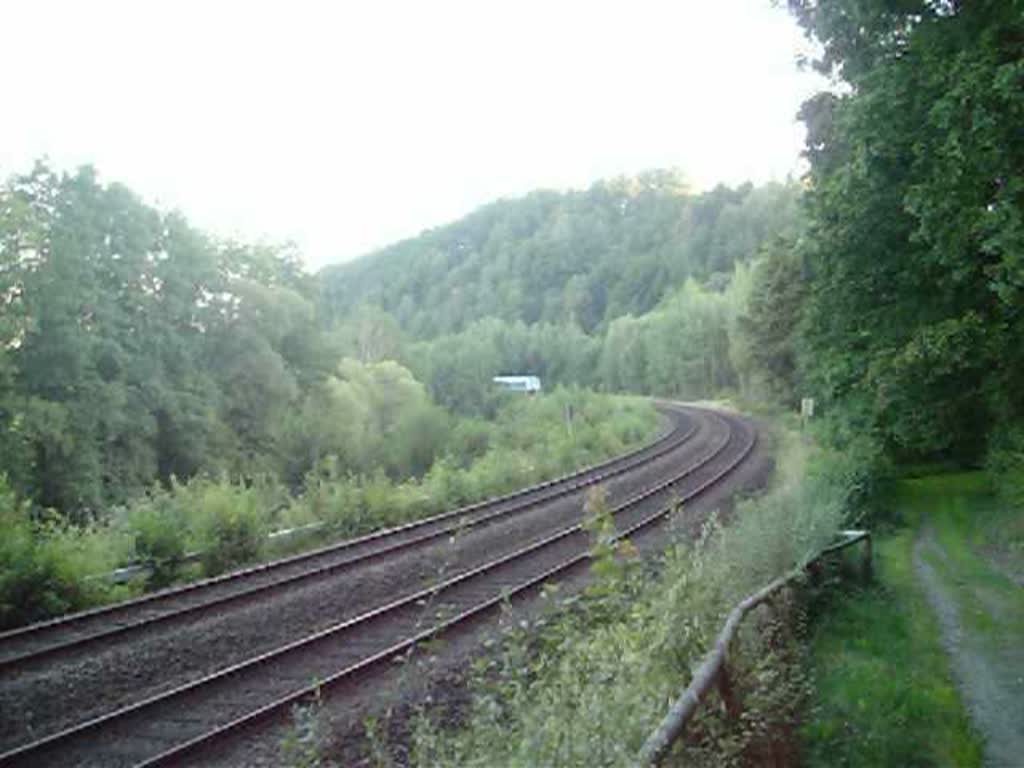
x=714, y=670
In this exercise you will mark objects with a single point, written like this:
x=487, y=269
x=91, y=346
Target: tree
x=915, y=235
x=134, y=348
x=767, y=332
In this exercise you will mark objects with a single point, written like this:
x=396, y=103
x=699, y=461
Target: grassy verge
x=978, y=534
x=883, y=695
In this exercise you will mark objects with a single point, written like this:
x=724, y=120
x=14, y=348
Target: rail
x=714, y=669
x=133, y=570
x=332, y=656
x=243, y=585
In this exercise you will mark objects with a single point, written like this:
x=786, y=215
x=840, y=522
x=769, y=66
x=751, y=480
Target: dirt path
x=988, y=670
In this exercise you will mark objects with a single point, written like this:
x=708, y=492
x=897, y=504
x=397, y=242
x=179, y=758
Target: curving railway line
x=506, y=549
x=34, y=643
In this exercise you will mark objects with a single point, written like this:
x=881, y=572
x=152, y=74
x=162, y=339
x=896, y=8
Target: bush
x=159, y=532
x=1005, y=464
x=853, y=469
x=231, y=523
x=529, y=442
x=45, y=563
x=226, y=522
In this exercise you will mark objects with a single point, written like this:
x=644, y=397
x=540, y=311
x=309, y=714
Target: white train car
x=527, y=384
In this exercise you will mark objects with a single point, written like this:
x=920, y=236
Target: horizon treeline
x=580, y=258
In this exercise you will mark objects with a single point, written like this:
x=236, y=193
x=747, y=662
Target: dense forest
x=136, y=348
x=911, y=330
x=576, y=258
x=630, y=285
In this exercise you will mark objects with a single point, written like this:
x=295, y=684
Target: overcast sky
x=346, y=125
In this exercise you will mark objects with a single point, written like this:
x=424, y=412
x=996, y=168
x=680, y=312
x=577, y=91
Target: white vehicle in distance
x=527, y=384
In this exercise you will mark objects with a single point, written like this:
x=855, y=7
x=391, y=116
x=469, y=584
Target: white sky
x=346, y=125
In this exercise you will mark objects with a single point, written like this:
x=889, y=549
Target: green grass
x=883, y=694
x=971, y=523
x=883, y=691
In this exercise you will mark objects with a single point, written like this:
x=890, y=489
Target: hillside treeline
x=635, y=284
x=577, y=258
x=888, y=286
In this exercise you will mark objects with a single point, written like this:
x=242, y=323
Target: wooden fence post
x=814, y=576
x=727, y=691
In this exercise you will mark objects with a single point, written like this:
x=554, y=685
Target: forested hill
x=580, y=258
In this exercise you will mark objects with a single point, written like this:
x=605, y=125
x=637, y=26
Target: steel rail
x=452, y=521
x=48, y=743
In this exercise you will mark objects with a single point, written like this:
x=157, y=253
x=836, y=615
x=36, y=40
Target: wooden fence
x=714, y=670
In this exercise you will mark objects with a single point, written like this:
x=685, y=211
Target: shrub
x=232, y=521
x=1005, y=464
x=853, y=470
x=45, y=563
x=159, y=532
x=225, y=521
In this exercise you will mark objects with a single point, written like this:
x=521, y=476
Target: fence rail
x=714, y=672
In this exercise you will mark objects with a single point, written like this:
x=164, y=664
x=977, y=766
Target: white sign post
x=806, y=410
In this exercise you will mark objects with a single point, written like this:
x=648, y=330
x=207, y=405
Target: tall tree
x=129, y=342
x=916, y=229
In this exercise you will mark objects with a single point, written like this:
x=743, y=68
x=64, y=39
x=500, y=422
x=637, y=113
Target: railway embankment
x=138, y=693
x=588, y=680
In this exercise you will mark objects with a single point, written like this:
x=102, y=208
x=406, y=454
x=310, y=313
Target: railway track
x=165, y=729
x=77, y=632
